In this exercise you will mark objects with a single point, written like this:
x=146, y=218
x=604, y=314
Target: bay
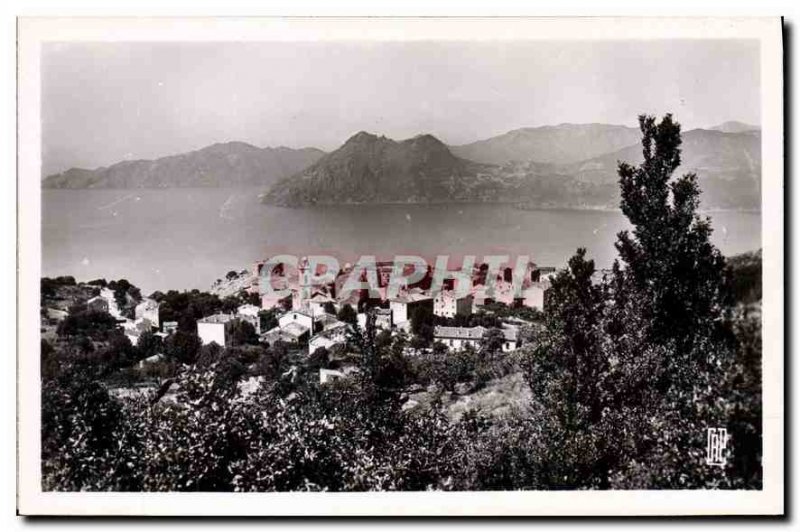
x=161, y=239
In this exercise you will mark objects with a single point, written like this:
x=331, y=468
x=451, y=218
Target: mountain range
x=562, y=144
x=568, y=165
x=526, y=167
x=234, y=164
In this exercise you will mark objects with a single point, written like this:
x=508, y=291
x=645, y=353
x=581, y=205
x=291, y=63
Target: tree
x=670, y=263
x=329, y=308
x=182, y=346
x=82, y=321
x=79, y=424
x=268, y=319
x=492, y=342
x=148, y=345
x=667, y=327
x=566, y=374
x=347, y=314
x=274, y=361
x=320, y=358
x=243, y=333
x=627, y=376
x=422, y=324
x=209, y=354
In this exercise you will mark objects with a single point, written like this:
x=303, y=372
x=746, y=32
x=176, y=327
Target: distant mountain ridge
x=234, y=164
x=732, y=126
x=561, y=144
x=728, y=166
x=563, y=166
x=372, y=169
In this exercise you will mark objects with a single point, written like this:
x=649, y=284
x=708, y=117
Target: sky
x=107, y=102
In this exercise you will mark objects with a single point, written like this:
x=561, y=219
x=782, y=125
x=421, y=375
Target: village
x=308, y=316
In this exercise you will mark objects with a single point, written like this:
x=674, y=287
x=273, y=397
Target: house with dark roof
x=460, y=337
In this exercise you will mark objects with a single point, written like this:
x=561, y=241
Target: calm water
x=187, y=238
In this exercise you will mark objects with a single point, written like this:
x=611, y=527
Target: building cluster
x=306, y=313
x=292, y=290
x=146, y=316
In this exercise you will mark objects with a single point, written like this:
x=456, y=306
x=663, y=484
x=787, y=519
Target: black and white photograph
x=430, y=259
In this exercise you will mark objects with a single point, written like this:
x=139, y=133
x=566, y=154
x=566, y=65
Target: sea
x=163, y=239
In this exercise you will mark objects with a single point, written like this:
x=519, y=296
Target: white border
x=32, y=32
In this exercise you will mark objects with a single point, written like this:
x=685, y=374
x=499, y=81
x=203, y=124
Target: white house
x=328, y=338
x=503, y=292
x=291, y=333
x=533, y=295
x=299, y=317
x=249, y=313
x=331, y=375
x=447, y=305
x=512, y=340
x=383, y=319
x=403, y=306
x=151, y=360
x=216, y=328
x=134, y=329
x=98, y=304
x=544, y=274
x=459, y=337
x=317, y=303
x=148, y=309
x=113, y=308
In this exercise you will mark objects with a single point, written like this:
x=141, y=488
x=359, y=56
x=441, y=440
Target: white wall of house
x=329, y=375
x=399, y=312
x=211, y=332
x=296, y=317
x=458, y=343
x=148, y=309
x=323, y=341
x=533, y=297
x=446, y=305
x=98, y=304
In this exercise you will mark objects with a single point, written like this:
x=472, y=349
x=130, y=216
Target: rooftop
x=464, y=333
x=248, y=309
x=302, y=312
x=321, y=298
x=472, y=333
x=216, y=318
x=411, y=297
x=450, y=294
x=149, y=304
x=294, y=329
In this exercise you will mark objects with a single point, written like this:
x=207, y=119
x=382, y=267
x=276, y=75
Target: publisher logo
x=716, y=447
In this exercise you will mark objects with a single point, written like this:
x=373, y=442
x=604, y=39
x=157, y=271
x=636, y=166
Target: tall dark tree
x=667, y=332
x=628, y=375
x=669, y=261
